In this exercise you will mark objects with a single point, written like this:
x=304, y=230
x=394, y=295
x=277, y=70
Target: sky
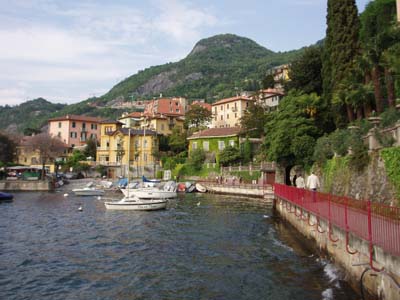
x=68, y=51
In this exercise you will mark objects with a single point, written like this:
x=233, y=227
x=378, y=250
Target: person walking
x=300, y=182
x=313, y=182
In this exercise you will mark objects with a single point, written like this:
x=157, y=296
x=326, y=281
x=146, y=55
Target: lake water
x=202, y=247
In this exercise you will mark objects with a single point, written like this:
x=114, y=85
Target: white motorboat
x=167, y=191
x=201, y=188
x=88, y=190
x=134, y=203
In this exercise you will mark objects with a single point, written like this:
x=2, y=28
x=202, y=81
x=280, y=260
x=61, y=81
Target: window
x=222, y=107
x=107, y=145
x=227, y=116
x=206, y=146
x=162, y=127
x=235, y=115
x=73, y=124
x=222, y=117
x=83, y=125
x=145, y=144
x=73, y=135
x=227, y=106
x=194, y=145
x=232, y=143
x=221, y=145
x=145, y=156
x=93, y=126
x=215, y=109
x=59, y=124
x=108, y=129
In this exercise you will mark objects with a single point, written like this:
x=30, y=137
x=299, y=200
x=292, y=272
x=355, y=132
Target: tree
x=197, y=116
x=177, y=140
x=253, y=120
x=91, y=148
x=268, y=81
x=196, y=159
x=378, y=34
x=230, y=155
x=48, y=148
x=7, y=149
x=341, y=45
x=247, y=152
x=305, y=72
x=291, y=131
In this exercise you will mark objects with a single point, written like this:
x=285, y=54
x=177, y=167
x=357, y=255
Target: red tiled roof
x=272, y=91
x=202, y=104
x=135, y=114
x=76, y=118
x=232, y=99
x=216, y=132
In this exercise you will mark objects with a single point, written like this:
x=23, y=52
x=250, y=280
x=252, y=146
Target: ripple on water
x=222, y=249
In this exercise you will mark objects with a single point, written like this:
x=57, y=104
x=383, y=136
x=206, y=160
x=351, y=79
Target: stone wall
x=383, y=285
x=25, y=185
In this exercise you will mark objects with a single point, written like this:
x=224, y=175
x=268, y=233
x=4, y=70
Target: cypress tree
x=341, y=45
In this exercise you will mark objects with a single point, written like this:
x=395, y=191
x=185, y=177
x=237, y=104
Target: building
x=227, y=112
x=26, y=156
x=214, y=140
x=118, y=143
x=161, y=115
x=75, y=130
x=269, y=98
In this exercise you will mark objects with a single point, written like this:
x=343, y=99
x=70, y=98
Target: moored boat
x=201, y=188
x=137, y=204
x=6, y=197
x=167, y=191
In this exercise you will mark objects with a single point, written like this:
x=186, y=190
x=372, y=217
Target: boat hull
x=137, y=205
x=200, y=188
x=149, y=194
x=82, y=192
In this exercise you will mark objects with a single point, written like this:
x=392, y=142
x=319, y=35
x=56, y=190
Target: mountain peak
x=227, y=41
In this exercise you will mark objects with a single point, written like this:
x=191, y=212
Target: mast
x=129, y=154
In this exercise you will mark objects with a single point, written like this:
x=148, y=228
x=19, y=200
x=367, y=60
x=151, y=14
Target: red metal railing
x=377, y=223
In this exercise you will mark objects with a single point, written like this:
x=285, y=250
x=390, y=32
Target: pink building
x=75, y=130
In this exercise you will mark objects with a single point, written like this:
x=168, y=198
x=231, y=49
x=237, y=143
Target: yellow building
x=228, y=112
x=26, y=156
x=117, y=147
x=161, y=123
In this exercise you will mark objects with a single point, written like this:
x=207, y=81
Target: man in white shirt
x=300, y=182
x=313, y=182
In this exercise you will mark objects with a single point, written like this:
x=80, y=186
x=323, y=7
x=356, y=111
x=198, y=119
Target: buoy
x=65, y=195
x=80, y=208
x=265, y=216
x=198, y=204
x=99, y=198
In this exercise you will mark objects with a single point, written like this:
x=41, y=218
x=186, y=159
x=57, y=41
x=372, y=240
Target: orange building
x=75, y=130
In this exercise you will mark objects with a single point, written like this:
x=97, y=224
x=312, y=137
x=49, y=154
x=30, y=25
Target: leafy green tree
x=196, y=159
x=292, y=130
x=378, y=34
x=268, y=81
x=91, y=148
x=247, y=151
x=305, y=72
x=177, y=140
x=197, y=116
x=7, y=149
x=341, y=46
x=253, y=120
x=230, y=155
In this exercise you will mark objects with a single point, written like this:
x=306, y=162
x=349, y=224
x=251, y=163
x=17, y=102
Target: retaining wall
x=383, y=285
x=25, y=185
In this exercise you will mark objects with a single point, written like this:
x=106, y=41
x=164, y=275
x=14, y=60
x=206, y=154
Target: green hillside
x=217, y=67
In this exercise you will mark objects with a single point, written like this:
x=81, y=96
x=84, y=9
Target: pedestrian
x=313, y=182
x=300, y=182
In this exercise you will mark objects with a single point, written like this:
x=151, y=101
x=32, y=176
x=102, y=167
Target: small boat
x=6, y=197
x=135, y=203
x=190, y=187
x=88, y=190
x=150, y=182
x=181, y=188
x=167, y=191
x=201, y=188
